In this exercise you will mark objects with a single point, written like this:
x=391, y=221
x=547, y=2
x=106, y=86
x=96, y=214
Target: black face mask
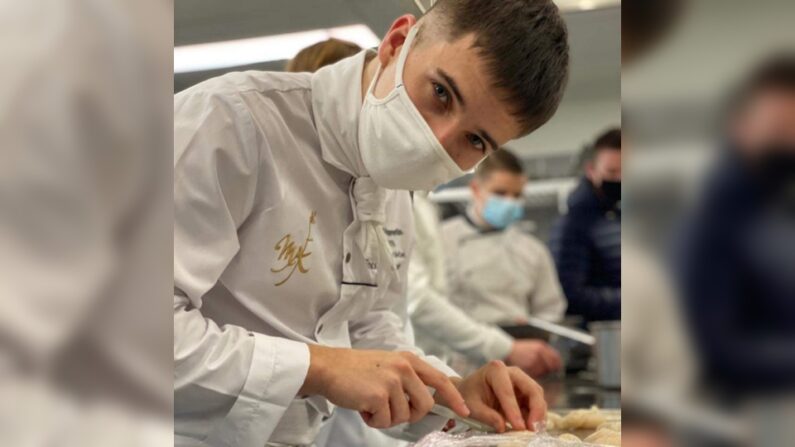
x=775, y=169
x=611, y=190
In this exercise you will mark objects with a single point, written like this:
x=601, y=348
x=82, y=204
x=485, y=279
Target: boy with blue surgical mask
x=499, y=273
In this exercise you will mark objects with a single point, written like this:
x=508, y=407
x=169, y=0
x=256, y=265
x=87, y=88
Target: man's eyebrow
x=457, y=93
x=490, y=140
x=452, y=84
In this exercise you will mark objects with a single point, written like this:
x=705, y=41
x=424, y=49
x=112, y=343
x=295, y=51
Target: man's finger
x=444, y=387
x=502, y=387
x=483, y=413
x=420, y=399
x=531, y=394
x=381, y=418
x=552, y=359
x=398, y=406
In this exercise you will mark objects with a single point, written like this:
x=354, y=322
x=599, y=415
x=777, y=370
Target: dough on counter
x=605, y=436
x=569, y=437
x=582, y=419
x=614, y=425
x=553, y=420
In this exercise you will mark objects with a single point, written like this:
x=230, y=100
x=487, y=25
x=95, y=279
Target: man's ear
x=589, y=170
x=475, y=187
x=394, y=38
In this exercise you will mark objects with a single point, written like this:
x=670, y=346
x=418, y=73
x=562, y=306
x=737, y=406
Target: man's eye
x=476, y=141
x=441, y=92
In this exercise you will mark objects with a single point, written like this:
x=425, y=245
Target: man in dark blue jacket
x=736, y=264
x=586, y=242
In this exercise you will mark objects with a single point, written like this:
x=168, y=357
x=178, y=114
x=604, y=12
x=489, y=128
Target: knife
x=563, y=331
x=467, y=421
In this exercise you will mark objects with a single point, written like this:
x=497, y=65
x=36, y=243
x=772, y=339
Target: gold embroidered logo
x=291, y=255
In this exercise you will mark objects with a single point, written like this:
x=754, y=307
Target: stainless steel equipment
x=608, y=352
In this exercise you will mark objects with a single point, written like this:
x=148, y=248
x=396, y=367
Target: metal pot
x=608, y=352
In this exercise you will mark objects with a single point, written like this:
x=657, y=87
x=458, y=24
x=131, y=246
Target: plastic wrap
x=515, y=439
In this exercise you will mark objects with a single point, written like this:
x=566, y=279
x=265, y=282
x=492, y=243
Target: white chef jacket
x=499, y=276
x=262, y=259
x=441, y=328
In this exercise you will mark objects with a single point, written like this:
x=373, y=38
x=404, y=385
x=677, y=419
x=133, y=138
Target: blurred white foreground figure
x=85, y=224
x=293, y=225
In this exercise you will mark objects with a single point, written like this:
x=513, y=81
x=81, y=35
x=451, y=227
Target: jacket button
x=347, y=257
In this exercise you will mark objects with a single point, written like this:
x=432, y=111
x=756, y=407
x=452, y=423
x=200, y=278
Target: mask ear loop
x=372, y=82
x=400, y=63
x=404, y=52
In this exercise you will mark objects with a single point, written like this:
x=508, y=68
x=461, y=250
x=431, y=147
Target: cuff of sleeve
x=499, y=345
x=277, y=371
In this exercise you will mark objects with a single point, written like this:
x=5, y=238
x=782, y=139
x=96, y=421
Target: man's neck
x=476, y=218
x=370, y=68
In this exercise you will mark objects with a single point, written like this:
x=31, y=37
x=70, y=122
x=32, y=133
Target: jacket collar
x=336, y=105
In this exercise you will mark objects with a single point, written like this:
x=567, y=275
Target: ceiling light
x=233, y=53
x=585, y=5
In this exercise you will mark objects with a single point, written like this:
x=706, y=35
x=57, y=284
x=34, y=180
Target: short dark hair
x=645, y=23
x=500, y=160
x=525, y=46
x=609, y=139
x=775, y=73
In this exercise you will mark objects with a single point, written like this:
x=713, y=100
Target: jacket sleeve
x=572, y=254
x=434, y=314
x=231, y=385
x=546, y=300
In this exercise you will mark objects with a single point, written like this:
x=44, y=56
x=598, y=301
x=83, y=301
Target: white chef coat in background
x=441, y=328
x=500, y=276
x=262, y=260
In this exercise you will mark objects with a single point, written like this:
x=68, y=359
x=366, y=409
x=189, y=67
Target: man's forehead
x=501, y=177
x=607, y=156
x=466, y=65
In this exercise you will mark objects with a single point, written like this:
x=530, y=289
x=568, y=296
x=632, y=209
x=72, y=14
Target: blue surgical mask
x=500, y=212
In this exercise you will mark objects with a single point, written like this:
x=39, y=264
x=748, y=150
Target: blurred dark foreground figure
x=737, y=263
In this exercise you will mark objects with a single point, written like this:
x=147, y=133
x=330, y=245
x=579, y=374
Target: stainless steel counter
x=579, y=391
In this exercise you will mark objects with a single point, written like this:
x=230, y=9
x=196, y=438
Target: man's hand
x=387, y=388
x=534, y=357
x=496, y=393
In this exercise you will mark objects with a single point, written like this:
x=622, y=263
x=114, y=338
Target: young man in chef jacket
x=499, y=273
x=293, y=225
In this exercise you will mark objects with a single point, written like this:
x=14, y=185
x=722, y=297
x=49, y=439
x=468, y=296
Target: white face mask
x=398, y=148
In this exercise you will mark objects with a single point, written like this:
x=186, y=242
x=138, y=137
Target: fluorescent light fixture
x=233, y=53
x=585, y=5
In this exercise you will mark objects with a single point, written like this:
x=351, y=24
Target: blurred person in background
x=498, y=273
x=586, y=241
x=86, y=224
x=293, y=225
x=737, y=250
x=321, y=54
x=442, y=328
